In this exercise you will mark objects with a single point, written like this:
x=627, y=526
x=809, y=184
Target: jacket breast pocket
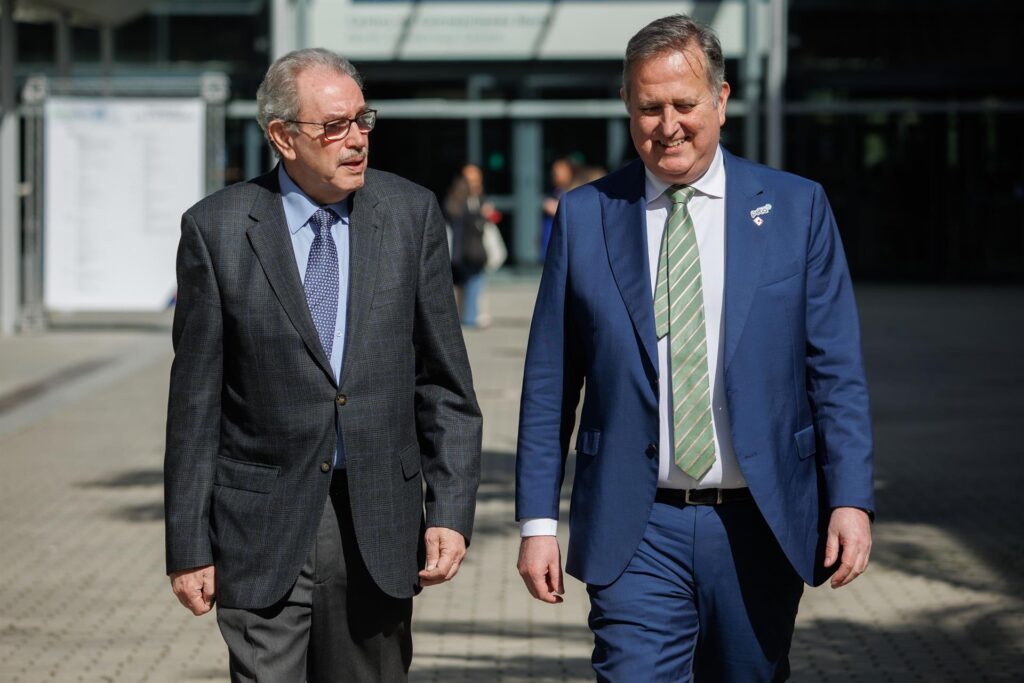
x=247, y=476
x=588, y=441
x=805, y=444
x=778, y=274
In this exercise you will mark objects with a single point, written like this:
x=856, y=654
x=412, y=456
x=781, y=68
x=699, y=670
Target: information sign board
x=118, y=174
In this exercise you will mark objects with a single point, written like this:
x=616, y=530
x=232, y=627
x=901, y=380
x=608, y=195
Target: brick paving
x=83, y=596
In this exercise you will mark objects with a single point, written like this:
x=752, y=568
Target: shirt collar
x=298, y=207
x=711, y=184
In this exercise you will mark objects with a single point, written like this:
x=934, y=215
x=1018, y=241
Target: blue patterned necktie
x=321, y=283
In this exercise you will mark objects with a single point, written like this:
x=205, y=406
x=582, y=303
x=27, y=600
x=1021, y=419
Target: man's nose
x=669, y=123
x=356, y=138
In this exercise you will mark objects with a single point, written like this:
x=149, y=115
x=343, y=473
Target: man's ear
x=723, y=97
x=279, y=134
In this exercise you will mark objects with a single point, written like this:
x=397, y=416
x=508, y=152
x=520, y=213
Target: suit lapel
x=744, y=247
x=269, y=238
x=623, y=215
x=364, y=235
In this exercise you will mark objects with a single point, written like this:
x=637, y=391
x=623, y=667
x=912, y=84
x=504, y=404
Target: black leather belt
x=681, y=497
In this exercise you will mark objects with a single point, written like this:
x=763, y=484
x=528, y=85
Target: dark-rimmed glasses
x=337, y=129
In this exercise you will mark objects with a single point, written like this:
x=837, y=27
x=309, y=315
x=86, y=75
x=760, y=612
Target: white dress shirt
x=707, y=208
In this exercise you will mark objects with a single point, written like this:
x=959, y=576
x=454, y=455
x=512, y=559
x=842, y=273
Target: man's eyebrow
x=688, y=102
x=334, y=116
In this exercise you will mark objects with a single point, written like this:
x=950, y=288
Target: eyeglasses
x=339, y=128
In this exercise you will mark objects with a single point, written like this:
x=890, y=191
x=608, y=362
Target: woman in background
x=468, y=211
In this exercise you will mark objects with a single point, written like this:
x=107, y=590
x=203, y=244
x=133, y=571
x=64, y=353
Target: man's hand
x=196, y=588
x=540, y=565
x=849, y=529
x=445, y=550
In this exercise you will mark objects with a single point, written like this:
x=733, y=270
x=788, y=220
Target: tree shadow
x=514, y=637
x=210, y=674
x=128, y=478
x=965, y=644
x=484, y=669
x=497, y=486
x=947, y=388
x=52, y=383
x=510, y=322
x=504, y=629
x=146, y=512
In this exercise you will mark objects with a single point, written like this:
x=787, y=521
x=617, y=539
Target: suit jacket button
x=652, y=450
x=341, y=400
x=325, y=466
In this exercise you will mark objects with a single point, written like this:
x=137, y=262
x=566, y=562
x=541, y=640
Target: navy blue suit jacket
x=794, y=376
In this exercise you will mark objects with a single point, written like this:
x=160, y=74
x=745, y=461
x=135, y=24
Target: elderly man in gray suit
x=319, y=378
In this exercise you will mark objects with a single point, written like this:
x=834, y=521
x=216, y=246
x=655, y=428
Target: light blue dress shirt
x=298, y=209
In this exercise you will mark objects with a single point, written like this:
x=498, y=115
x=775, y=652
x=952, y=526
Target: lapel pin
x=756, y=214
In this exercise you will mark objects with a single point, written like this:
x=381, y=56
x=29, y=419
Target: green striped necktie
x=679, y=313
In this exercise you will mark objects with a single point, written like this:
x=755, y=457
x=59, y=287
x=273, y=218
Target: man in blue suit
x=724, y=455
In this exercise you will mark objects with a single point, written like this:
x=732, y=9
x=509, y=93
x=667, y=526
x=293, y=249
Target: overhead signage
x=370, y=30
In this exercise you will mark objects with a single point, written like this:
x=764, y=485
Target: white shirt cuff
x=538, y=526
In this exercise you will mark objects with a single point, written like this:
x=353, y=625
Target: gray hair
x=277, y=97
x=675, y=33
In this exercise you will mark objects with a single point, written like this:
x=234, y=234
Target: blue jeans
x=472, y=288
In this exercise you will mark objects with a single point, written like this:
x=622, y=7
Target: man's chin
x=677, y=171
x=673, y=175
x=352, y=181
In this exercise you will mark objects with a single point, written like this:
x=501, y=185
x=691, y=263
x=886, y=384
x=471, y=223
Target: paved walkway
x=83, y=596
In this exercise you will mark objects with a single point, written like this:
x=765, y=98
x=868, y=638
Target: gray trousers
x=334, y=625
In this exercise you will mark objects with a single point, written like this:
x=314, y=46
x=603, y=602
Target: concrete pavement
x=83, y=596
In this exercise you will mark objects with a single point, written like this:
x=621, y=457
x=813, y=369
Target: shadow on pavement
x=483, y=668
x=206, y=675
x=505, y=629
x=146, y=512
x=947, y=387
x=497, y=485
x=915, y=651
x=147, y=477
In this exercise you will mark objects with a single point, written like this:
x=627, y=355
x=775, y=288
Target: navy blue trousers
x=708, y=596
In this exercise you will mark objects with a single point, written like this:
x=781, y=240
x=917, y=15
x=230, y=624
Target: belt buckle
x=689, y=500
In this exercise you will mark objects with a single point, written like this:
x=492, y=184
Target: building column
x=10, y=146
x=617, y=138
x=475, y=86
x=752, y=74
x=107, y=50
x=63, y=56
x=254, y=146
x=528, y=185
x=776, y=95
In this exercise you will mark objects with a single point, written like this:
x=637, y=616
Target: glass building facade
x=910, y=114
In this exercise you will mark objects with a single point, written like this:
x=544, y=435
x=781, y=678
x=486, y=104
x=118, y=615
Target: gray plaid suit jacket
x=253, y=401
